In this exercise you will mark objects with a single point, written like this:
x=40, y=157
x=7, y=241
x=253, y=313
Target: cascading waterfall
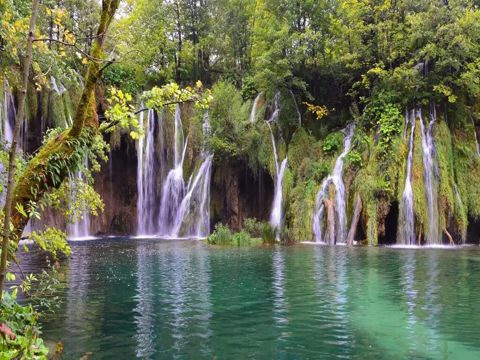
x=146, y=173
x=253, y=113
x=8, y=113
x=193, y=214
x=173, y=189
x=406, y=229
x=335, y=179
x=172, y=209
x=81, y=228
x=430, y=178
x=7, y=119
x=276, y=215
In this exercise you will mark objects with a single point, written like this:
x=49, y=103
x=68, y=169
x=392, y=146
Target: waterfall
x=8, y=114
x=406, y=228
x=174, y=186
x=429, y=173
x=193, y=214
x=57, y=87
x=253, y=113
x=276, y=215
x=335, y=179
x=81, y=228
x=7, y=119
x=146, y=173
x=169, y=208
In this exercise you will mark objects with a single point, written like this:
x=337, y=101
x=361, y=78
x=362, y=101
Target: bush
x=259, y=229
x=222, y=235
x=333, y=142
x=23, y=321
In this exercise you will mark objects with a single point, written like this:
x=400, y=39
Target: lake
x=154, y=299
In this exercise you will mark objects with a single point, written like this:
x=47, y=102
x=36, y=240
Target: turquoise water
x=185, y=300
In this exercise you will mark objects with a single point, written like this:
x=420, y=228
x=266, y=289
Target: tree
x=54, y=160
x=13, y=149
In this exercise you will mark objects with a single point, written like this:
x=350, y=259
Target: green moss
x=467, y=170
x=443, y=145
x=301, y=208
x=418, y=184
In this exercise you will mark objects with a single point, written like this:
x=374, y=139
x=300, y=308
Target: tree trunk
x=19, y=119
x=356, y=218
x=450, y=238
x=330, y=221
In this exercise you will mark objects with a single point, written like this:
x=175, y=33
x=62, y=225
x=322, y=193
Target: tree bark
x=450, y=238
x=330, y=221
x=356, y=218
x=19, y=119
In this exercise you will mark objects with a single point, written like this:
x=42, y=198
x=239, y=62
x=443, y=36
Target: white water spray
x=172, y=209
x=406, y=230
x=253, y=113
x=340, y=207
x=276, y=214
x=429, y=174
x=81, y=228
x=146, y=174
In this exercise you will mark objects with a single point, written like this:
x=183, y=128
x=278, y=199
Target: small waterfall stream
x=336, y=179
x=81, y=228
x=430, y=178
x=146, y=175
x=276, y=214
x=406, y=229
x=173, y=189
x=7, y=115
x=253, y=113
x=166, y=206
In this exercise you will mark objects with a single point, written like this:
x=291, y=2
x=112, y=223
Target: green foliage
x=51, y=240
x=121, y=76
x=222, y=235
x=333, y=142
x=354, y=159
x=259, y=230
x=390, y=124
x=23, y=321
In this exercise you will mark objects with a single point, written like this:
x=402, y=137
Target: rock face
x=238, y=193
x=116, y=183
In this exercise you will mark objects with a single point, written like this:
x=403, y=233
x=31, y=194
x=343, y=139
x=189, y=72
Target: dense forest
x=239, y=121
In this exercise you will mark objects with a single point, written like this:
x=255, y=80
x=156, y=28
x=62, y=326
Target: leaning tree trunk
x=55, y=159
x=19, y=119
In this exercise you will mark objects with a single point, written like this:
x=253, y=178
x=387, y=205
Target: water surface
x=185, y=300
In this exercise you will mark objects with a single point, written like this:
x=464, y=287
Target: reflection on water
x=177, y=299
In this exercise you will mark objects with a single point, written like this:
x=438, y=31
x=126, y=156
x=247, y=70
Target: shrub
x=332, y=142
x=222, y=235
x=259, y=229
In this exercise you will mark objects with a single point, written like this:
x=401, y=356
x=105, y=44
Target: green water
x=185, y=300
